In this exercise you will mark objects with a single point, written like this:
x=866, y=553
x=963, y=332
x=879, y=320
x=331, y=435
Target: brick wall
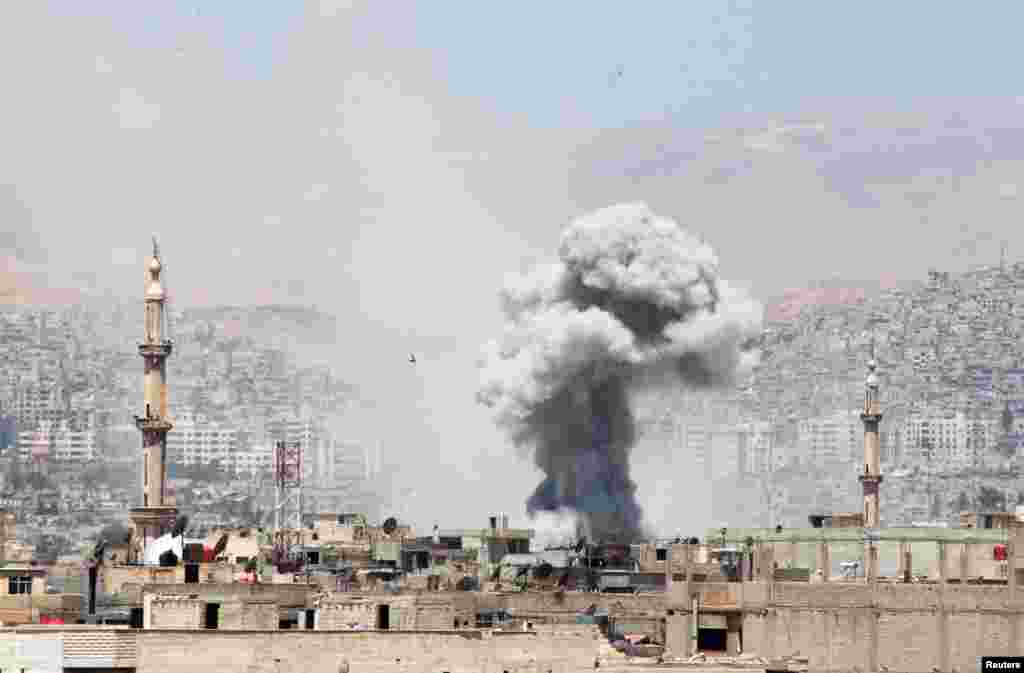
x=316, y=652
x=89, y=647
x=104, y=646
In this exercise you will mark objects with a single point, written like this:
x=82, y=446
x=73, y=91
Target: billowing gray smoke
x=634, y=299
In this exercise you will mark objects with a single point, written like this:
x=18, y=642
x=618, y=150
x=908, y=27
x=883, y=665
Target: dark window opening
x=383, y=617
x=192, y=573
x=92, y=590
x=19, y=585
x=711, y=640
x=212, y=614
x=135, y=619
x=661, y=554
x=310, y=618
x=313, y=558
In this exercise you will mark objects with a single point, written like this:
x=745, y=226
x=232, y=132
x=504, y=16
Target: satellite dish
x=389, y=525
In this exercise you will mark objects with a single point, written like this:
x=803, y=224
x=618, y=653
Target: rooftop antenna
x=1002, y=256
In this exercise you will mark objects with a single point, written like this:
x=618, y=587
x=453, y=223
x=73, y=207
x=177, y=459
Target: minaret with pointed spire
x=154, y=518
x=872, y=475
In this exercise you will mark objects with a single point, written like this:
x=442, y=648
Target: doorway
x=711, y=640
x=212, y=615
x=383, y=617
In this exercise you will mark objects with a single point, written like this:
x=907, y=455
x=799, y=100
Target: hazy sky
x=392, y=161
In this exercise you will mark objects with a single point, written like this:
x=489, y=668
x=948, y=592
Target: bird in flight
x=616, y=76
x=412, y=358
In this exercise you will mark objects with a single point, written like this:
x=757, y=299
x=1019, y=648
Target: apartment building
x=253, y=459
x=195, y=440
x=757, y=443
x=835, y=438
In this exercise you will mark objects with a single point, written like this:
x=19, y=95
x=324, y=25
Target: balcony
x=162, y=349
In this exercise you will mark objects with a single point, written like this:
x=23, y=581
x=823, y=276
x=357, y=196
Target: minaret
x=154, y=518
x=872, y=476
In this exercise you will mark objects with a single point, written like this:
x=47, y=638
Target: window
x=19, y=585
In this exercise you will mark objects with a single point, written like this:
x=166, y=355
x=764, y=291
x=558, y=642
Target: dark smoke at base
x=594, y=478
x=634, y=299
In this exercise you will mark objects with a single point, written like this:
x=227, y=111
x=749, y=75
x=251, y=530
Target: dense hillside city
x=71, y=386
x=947, y=348
x=789, y=441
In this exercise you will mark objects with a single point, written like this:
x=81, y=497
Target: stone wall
x=902, y=627
x=114, y=577
x=316, y=652
x=425, y=612
x=173, y=612
x=249, y=615
x=285, y=595
x=433, y=614
x=339, y=615
x=573, y=602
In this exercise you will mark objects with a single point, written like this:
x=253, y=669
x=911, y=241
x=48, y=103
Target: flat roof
x=739, y=536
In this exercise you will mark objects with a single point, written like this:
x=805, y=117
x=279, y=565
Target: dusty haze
x=390, y=166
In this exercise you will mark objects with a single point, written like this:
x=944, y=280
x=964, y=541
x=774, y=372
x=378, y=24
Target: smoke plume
x=634, y=299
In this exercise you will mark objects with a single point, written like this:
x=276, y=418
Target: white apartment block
x=724, y=453
x=198, y=441
x=51, y=441
x=697, y=444
x=757, y=447
x=834, y=438
x=74, y=446
x=254, y=459
x=952, y=440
